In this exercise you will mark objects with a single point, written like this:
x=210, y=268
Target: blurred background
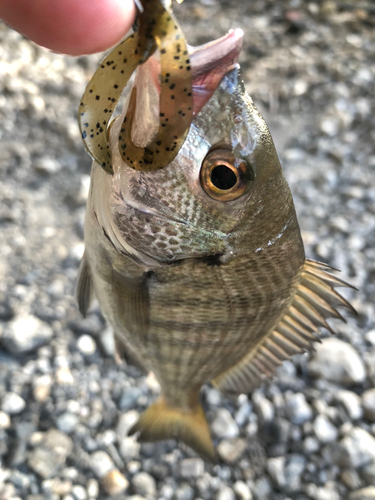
x=65, y=405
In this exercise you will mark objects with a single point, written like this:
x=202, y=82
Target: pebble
x=224, y=425
x=297, y=409
x=67, y=422
x=351, y=479
x=129, y=448
x=47, y=165
x=12, y=403
x=191, y=467
x=338, y=362
x=356, y=449
x=92, y=488
x=86, y=345
x=368, y=403
x=310, y=445
x=42, y=388
x=363, y=494
x=184, y=492
x=78, y=492
x=144, y=485
x=351, y=402
x=129, y=398
x=324, y=430
x=114, y=482
x=126, y=422
x=25, y=333
x=368, y=472
x=53, y=449
x=242, y=491
x=4, y=420
x=101, y=463
x=231, y=450
x=64, y=376
x=226, y=493
x=263, y=407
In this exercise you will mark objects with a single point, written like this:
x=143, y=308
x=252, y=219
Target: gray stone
x=226, y=493
x=363, y=494
x=351, y=402
x=243, y=412
x=50, y=455
x=324, y=430
x=351, y=479
x=184, y=492
x=231, y=450
x=297, y=409
x=368, y=403
x=310, y=445
x=101, y=463
x=191, y=467
x=356, y=449
x=25, y=333
x=223, y=425
x=337, y=361
x=67, y=422
x=12, y=403
x=367, y=472
x=129, y=398
x=144, y=485
x=242, y=491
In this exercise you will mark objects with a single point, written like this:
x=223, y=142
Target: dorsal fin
x=315, y=299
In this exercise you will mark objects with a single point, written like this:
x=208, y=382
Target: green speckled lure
x=158, y=29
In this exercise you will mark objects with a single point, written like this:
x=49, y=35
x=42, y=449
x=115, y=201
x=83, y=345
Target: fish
x=199, y=266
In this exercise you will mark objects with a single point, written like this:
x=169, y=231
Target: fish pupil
x=223, y=177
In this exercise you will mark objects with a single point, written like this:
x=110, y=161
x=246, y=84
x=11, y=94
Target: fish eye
x=224, y=177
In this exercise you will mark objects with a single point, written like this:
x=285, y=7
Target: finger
x=70, y=26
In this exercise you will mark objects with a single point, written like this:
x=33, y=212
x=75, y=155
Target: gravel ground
x=65, y=405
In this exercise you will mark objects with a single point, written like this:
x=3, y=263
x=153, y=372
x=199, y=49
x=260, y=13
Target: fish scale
x=198, y=286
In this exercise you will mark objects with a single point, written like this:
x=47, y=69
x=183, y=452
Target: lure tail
x=161, y=421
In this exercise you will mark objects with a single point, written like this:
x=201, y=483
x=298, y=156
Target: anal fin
x=314, y=300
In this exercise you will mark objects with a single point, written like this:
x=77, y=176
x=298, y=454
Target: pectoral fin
x=84, y=289
x=315, y=300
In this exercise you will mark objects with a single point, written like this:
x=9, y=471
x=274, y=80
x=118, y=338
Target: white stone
x=4, y=420
x=101, y=463
x=224, y=425
x=324, y=430
x=13, y=403
x=297, y=409
x=351, y=402
x=26, y=333
x=86, y=345
x=242, y=491
x=337, y=361
x=356, y=449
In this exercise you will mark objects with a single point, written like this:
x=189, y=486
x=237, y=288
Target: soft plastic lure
x=158, y=29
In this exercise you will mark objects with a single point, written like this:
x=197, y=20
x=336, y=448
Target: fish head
x=224, y=194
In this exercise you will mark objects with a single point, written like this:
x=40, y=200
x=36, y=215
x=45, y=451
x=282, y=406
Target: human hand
x=72, y=27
